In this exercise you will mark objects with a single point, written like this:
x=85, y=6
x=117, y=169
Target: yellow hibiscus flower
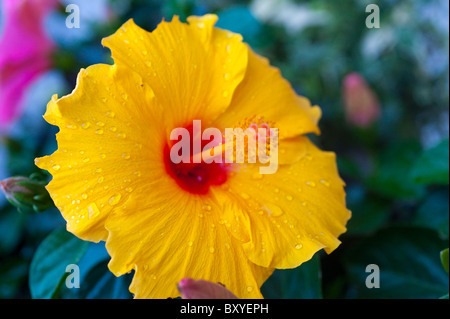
x=113, y=180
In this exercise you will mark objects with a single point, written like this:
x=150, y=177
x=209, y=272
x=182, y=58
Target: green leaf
x=100, y=283
x=391, y=177
x=13, y=274
x=433, y=213
x=48, y=267
x=369, y=213
x=303, y=282
x=444, y=259
x=432, y=166
x=408, y=261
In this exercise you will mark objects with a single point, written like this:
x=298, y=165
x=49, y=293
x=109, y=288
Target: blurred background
x=384, y=93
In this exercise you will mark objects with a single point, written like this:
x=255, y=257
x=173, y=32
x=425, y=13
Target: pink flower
x=24, y=54
x=361, y=104
x=203, y=289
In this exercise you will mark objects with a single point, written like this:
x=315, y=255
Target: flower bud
x=26, y=194
x=203, y=289
x=361, y=104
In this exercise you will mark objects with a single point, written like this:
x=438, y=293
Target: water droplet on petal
x=126, y=156
x=110, y=114
x=249, y=289
x=85, y=125
x=298, y=246
x=245, y=196
x=289, y=197
x=190, y=244
x=211, y=250
x=93, y=210
x=99, y=131
x=325, y=182
x=56, y=167
x=84, y=196
x=273, y=210
x=114, y=200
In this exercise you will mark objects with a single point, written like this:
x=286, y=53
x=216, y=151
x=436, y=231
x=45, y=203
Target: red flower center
x=195, y=178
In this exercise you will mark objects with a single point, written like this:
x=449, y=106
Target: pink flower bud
x=203, y=289
x=361, y=104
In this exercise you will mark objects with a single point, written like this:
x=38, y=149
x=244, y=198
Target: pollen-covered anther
x=251, y=139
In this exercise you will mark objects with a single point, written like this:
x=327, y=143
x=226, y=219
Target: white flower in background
x=293, y=17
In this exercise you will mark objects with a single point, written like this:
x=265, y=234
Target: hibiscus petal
x=286, y=217
x=165, y=235
x=199, y=65
x=265, y=93
x=102, y=146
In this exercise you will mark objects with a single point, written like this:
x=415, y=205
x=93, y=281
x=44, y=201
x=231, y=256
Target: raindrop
x=85, y=125
x=84, y=196
x=56, y=167
x=93, y=210
x=126, y=156
x=211, y=250
x=249, y=289
x=273, y=210
x=114, y=200
x=245, y=196
x=289, y=197
x=99, y=131
x=325, y=182
x=110, y=114
x=298, y=246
